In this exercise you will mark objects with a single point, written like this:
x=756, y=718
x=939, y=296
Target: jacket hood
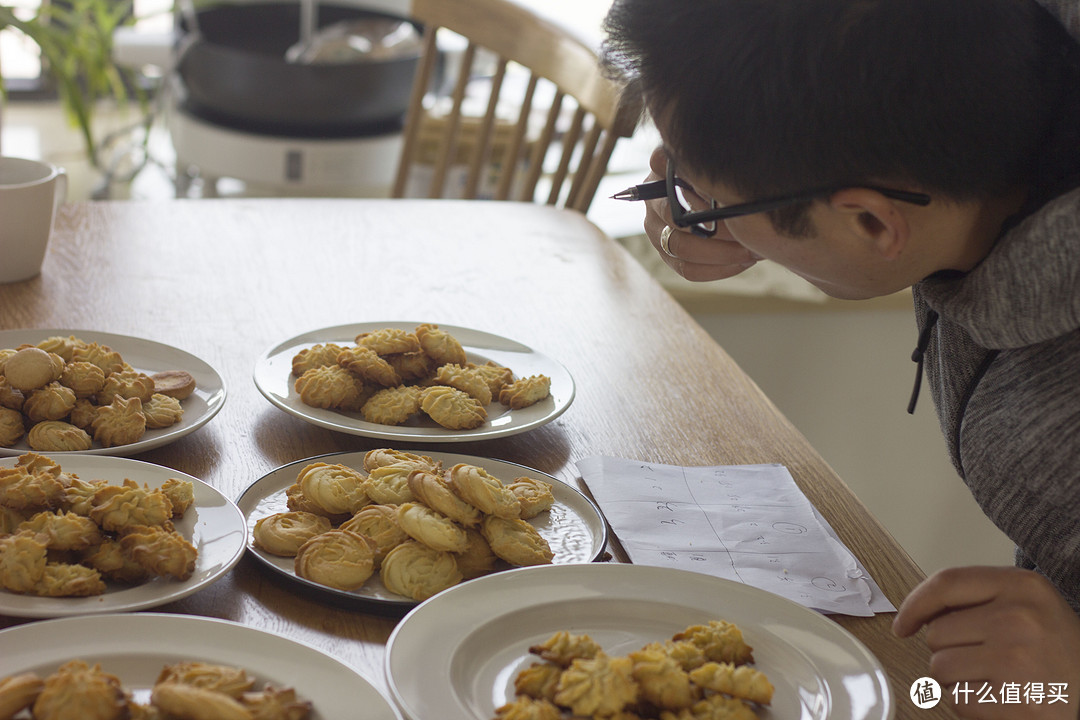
x=1027, y=290
x=1067, y=11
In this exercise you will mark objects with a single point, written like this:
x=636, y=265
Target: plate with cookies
x=387, y=529
x=149, y=665
x=97, y=393
x=91, y=534
x=414, y=382
x=622, y=640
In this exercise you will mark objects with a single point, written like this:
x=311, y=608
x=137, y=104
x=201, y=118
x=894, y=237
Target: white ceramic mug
x=31, y=193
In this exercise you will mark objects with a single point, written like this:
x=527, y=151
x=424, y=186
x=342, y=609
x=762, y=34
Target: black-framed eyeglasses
x=704, y=222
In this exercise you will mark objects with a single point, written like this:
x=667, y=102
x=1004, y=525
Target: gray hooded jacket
x=1003, y=366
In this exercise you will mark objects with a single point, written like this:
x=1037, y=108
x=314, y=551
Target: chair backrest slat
x=491, y=153
x=484, y=139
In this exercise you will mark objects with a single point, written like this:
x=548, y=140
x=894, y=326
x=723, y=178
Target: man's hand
x=992, y=626
x=695, y=258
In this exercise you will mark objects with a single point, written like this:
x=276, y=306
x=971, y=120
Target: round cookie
x=174, y=383
x=31, y=368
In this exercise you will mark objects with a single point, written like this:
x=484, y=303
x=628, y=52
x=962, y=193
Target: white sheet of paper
x=749, y=523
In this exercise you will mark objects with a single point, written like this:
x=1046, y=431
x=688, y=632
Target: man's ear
x=873, y=217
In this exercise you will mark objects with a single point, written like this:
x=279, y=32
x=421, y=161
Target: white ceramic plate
x=573, y=527
x=456, y=655
x=136, y=646
x=149, y=357
x=274, y=379
x=213, y=524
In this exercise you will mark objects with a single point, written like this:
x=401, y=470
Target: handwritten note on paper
x=749, y=523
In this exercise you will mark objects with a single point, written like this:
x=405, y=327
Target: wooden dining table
x=226, y=279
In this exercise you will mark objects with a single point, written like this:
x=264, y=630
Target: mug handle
x=60, y=191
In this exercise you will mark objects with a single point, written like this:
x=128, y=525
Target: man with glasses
x=874, y=145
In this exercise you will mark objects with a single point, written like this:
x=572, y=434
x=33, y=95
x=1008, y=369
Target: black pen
x=648, y=191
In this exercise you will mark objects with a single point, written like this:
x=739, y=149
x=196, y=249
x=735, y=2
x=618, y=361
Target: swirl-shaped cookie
x=283, y=533
x=101, y=355
x=10, y=397
x=83, y=414
x=181, y=494
x=465, y=379
x=525, y=392
x=78, y=690
x=601, y=686
x=315, y=356
x=739, y=681
x=379, y=524
x=233, y=681
x=85, y=379
x=416, y=571
x=524, y=707
x=119, y=507
x=534, y=495
x=411, y=366
x=330, y=387
x=128, y=384
x=452, y=408
x=58, y=436
x=334, y=488
x=162, y=411
x=21, y=489
x=431, y=528
x=175, y=699
x=439, y=345
x=565, y=647
x=339, y=559
x=389, y=484
x=392, y=405
x=477, y=558
x=662, y=680
x=62, y=346
x=160, y=551
x=720, y=640
x=51, y=402
x=494, y=374
x=23, y=557
x=366, y=364
x=110, y=559
x=432, y=489
x=11, y=427
x=516, y=541
x=381, y=457
x=389, y=341
x=120, y=423
x=69, y=580
x=479, y=488
x=18, y=692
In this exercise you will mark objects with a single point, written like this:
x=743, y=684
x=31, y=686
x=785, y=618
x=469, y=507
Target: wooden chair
x=504, y=158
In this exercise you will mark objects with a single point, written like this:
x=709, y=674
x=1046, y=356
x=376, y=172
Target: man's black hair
x=963, y=99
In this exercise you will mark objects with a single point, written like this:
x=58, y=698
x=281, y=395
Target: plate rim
x=214, y=404
x=372, y=430
x=100, y=624
x=169, y=593
x=404, y=604
x=462, y=612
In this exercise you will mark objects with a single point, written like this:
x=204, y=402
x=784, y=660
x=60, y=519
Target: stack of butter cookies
x=66, y=394
x=392, y=375
x=421, y=527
